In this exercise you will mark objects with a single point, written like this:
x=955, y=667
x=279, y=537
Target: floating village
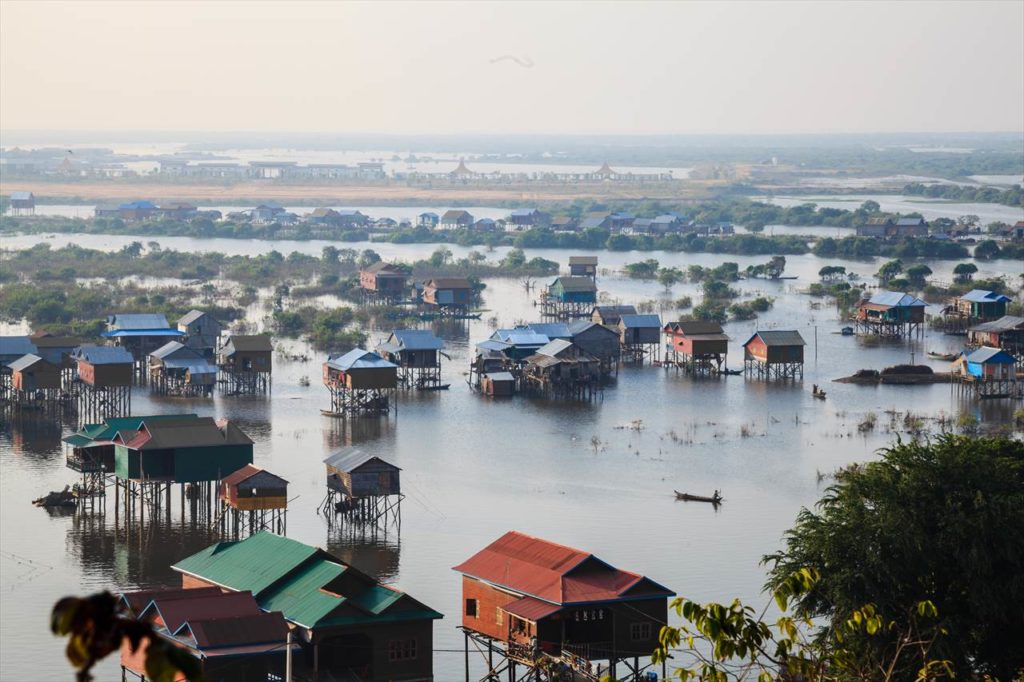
x=255, y=604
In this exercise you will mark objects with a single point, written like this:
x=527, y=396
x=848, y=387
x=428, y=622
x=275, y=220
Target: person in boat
x=716, y=497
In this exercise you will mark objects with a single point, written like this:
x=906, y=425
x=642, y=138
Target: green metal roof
x=287, y=576
x=300, y=598
x=252, y=564
x=108, y=429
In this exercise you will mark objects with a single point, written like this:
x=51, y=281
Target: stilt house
x=599, y=341
x=347, y=623
x=140, y=333
x=696, y=344
x=890, y=313
x=201, y=331
x=177, y=369
x=531, y=597
x=383, y=279
x=33, y=373
x=609, y=315
x=448, y=292
x=583, y=266
x=1007, y=333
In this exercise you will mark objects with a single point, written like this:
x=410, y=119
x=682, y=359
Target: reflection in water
x=342, y=433
x=33, y=435
x=373, y=553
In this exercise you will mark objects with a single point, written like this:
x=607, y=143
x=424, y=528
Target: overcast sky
x=613, y=67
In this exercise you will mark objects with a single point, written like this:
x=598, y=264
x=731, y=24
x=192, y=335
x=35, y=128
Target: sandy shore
x=254, y=191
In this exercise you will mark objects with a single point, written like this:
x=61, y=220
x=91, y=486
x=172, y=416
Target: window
x=401, y=650
x=471, y=607
x=639, y=631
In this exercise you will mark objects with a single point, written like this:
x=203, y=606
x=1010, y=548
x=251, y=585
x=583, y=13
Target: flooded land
x=598, y=474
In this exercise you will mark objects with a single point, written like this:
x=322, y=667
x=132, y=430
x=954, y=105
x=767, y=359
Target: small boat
x=817, y=392
x=846, y=331
x=731, y=372
x=949, y=357
x=435, y=387
x=715, y=499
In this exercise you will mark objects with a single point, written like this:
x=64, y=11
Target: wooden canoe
x=716, y=500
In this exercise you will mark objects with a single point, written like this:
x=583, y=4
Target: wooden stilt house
x=540, y=603
x=417, y=352
x=696, y=345
x=775, y=354
x=349, y=625
x=253, y=499
x=177, y=369
x=360, y=382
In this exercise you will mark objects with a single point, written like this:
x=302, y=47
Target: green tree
x=514, y=259
x=133, y=250
x=669, y=277
x=940, y=520
x=889, y=270
x=870, y=206
x=368, y=257
x=964, y=272
x=918, y=273
x=987, y=250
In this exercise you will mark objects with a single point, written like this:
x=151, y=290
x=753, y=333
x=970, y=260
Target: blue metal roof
x=16, y=346
x=167, y=349
x=349, y=459
x=492, y=344
x=141, y=332
x=520, y=336
x=641, y=321
x=138, y=205
x=896, y=299
x=983, y=296
x=104, y=355
x=413, y=339
x=552, y=330
x=138, y=321
x=990, y=356
x=357, y=358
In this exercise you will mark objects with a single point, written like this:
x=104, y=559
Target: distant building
x=526, y=218
x=448, y=292
x=583, y=266
x=777, y=354
x=201, y=331
x=1007, y=333
x=383, y=279
x=609, y=315
x=573, y=290
x=427, y=219
x=137, y=210
x=23, y=203
x=979, y=305
x=456, y=219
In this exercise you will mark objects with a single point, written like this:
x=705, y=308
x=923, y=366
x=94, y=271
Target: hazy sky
x=611, y=67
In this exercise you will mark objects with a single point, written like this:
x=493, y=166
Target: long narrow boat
x=434, y=387
x=941, y=356
x=715, y=500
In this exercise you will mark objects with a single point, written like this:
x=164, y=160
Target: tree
x=775, y=267
x=369, y=257
x=645, y=269
x=940, y=520
x=889, y=270
x=329, y=254
x=870, y=206
x=964, y=272
x=726, y=642
x=918, y=273
x=514, y=259
x=986, y=250
x=669, y=277
x=133, y=250
x=440, y=256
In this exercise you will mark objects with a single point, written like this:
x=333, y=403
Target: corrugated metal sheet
x=169, y=349
x=16, y=346
x=104, y=355
x=531, y=566
x=300, y=598
x=262, y=628
x=895, y=299
x=138, y=321
x=582, y=284
x=520, y=336
x=350, y=459
x=1004, y=323
x=779, y=338
x=24, y=362
x=532, y=609
x=554, y=348
x=251, y=564
x=140, y=599
x=990, y=356
x=416, y=339
x=191, y=316
x=357, y=358
x=175, y=612
x=982, y=296
x=694, y=327
x=121, y=333
x=247, y=472
x=248, y=343
x=641, y=321
x=552, y=330
x=493, y=345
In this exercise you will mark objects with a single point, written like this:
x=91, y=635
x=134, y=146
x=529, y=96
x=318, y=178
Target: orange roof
x=555, y=573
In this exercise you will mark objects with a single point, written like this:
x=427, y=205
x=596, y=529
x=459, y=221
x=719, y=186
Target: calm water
x=926, y=206
x=475, y=467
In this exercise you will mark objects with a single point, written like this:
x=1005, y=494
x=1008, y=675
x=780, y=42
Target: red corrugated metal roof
x=176, y=612
x=137, y=601
x=532, y=609
x=552, y=572
x=242, y=474
x=262, y=628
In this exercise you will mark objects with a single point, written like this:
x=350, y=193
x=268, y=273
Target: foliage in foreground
x=941, y=520
x=734, y=642
x=96, y=628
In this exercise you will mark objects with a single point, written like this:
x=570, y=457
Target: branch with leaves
x=96, y=627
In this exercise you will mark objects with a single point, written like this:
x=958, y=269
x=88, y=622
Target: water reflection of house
x=346, y=621
x=534, y=597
